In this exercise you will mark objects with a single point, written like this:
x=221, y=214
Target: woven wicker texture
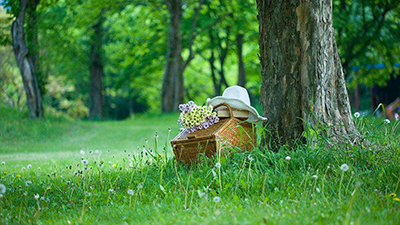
x=228, y=132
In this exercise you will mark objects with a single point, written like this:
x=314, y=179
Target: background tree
x=303, y=80
x=26, y=59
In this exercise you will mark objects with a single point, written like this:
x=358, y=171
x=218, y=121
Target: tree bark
x=25, y=64
x=222, y=56
x=241, y=72
x=302, y=77
x=172, y=83
x=216, y=84
x=32, y=41
x=96, y=71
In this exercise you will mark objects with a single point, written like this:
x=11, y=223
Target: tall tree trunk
x=25, y=64
x=32, y=41
x=241, y=72
x=96, y=71
x=222, y=56
x=172, y=83
x=216, y=84
x=302, y=75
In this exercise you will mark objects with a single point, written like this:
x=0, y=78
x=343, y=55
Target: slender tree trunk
x=241, y=72
x=96, y=72
x=303, y=79
x=172, y=92
x=25, y=64
x=216, y=84
x=32, y=41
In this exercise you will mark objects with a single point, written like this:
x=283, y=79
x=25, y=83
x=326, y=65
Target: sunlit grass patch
x=308, y=184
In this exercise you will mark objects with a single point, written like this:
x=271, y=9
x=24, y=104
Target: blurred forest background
x=110, y=59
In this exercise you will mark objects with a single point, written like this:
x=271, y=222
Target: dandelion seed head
x=201, y=194
x=2, y=189
x=131, y=192
x=36, y=196
x=344, y=167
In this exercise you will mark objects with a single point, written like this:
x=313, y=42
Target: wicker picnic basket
x=228, y=132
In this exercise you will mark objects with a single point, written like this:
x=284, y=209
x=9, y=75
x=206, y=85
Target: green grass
x=261, y=187
x=57, y=136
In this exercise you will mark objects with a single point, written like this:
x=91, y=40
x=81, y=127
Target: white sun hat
x=237, y=98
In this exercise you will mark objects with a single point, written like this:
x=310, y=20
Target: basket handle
x=227, y=106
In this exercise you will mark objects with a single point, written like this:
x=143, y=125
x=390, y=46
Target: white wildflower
x=288, y=158
x=344, y=167
x=214, y=173
x=131, y=192
x=201, y=194
x=356, y=114
x=36, y=196
x=162, y=188
x=2, y=189
x=216, y=199
x=82, y=152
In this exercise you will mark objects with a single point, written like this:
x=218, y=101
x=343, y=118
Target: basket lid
x=203, y=133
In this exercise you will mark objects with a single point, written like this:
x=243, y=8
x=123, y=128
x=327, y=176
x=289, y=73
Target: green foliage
x=134, y=48
x=308, y=187
x=367, y=32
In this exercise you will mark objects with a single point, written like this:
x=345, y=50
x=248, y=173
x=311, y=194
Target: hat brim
x=237, y=104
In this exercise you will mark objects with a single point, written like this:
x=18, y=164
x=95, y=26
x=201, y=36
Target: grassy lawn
x=59, y=138
x=49, y=181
